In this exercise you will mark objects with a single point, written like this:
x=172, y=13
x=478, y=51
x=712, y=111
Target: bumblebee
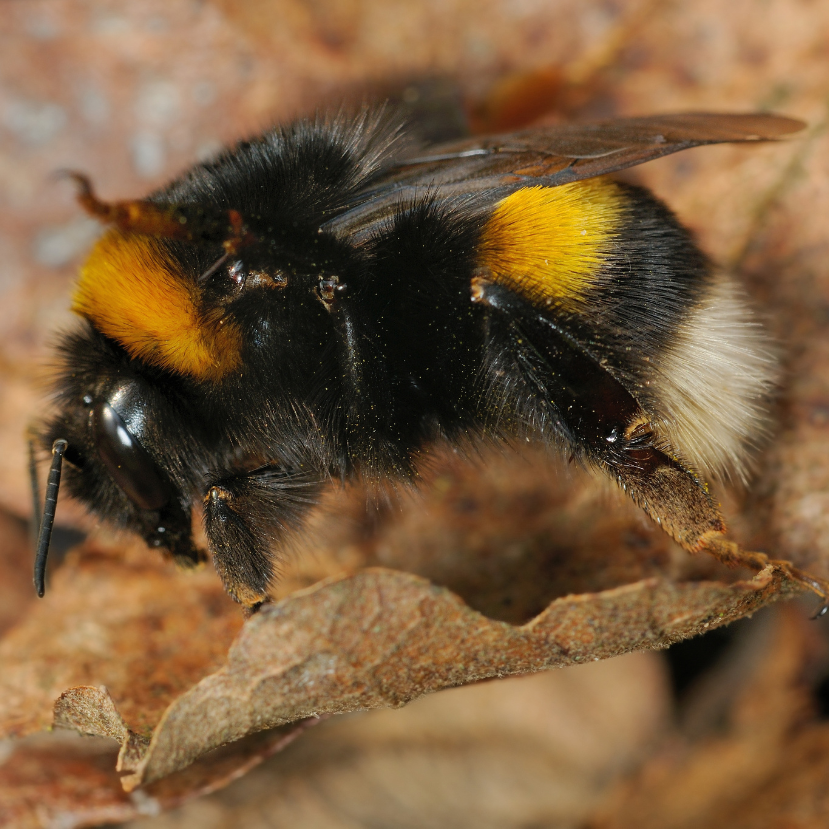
x=328, y=299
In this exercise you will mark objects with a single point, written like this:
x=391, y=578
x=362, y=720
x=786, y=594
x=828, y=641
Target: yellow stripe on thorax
x=131, y=292
x=548, y=243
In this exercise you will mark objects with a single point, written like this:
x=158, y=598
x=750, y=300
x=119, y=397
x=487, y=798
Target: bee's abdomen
x=610, y=265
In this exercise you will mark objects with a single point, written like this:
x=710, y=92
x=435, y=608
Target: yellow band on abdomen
x=549, y=243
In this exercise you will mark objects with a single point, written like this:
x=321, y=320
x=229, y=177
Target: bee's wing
x=481, y=171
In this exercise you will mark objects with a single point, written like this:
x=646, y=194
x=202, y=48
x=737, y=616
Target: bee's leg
x=245, y=516
x=601, y=420
x=730, y=553
x=580, y=400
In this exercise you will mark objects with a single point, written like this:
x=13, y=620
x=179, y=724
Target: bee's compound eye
x=126, y=459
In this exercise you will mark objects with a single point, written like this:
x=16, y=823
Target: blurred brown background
x=134, y=93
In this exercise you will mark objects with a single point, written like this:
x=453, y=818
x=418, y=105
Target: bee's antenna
x=45, y=536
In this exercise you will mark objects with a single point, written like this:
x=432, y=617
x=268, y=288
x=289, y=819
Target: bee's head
x=121, y=446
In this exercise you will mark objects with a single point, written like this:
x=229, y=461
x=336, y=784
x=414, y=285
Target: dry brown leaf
x=44, y=780
x=65, y=781
x=383, y=638
x=529, y=751
x=130, y=623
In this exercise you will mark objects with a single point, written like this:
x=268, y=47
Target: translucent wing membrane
x=486, y=169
